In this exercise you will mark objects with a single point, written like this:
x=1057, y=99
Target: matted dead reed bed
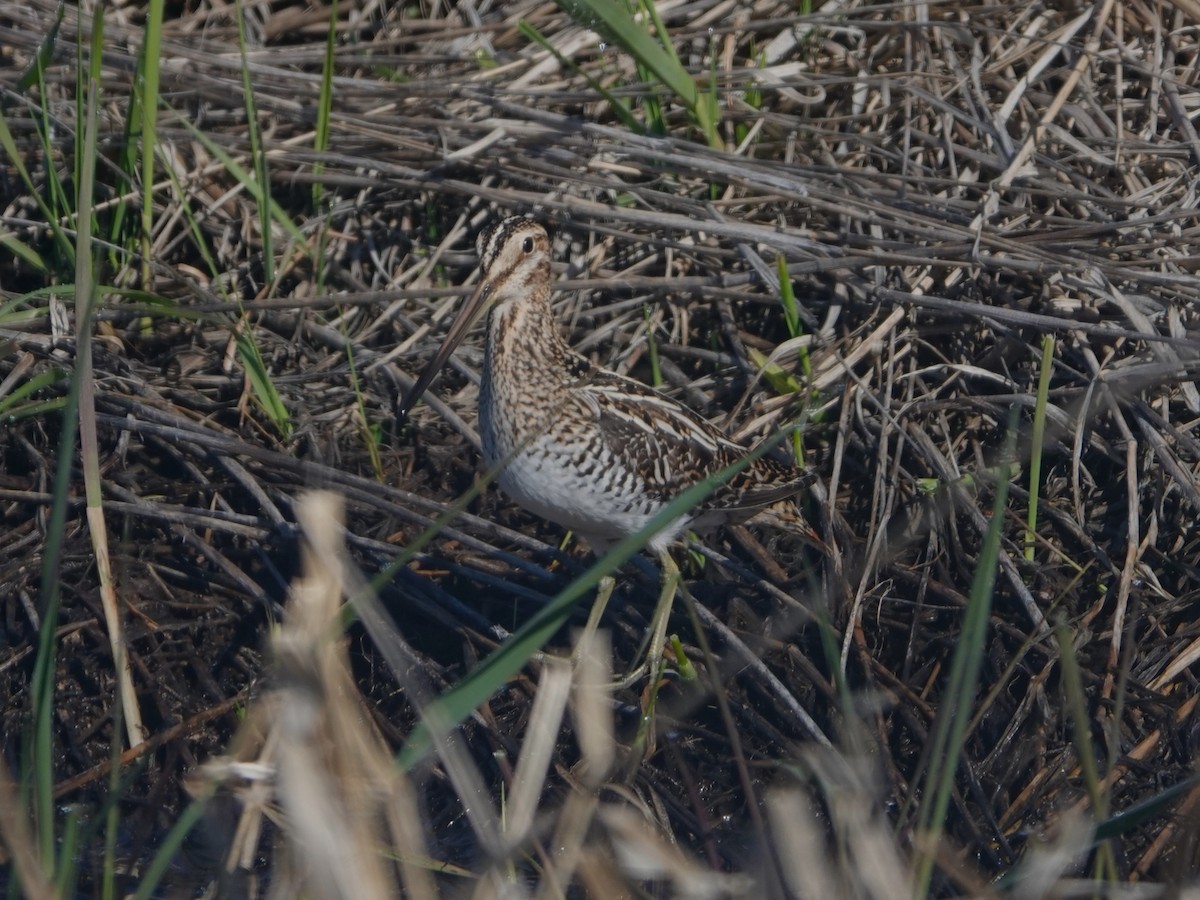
x=967, y=203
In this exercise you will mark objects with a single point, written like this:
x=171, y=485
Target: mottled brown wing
x=671, y=447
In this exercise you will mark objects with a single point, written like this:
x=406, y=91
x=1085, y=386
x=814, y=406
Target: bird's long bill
x=458, y=330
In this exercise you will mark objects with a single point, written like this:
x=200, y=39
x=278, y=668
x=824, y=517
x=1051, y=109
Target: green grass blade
x=68, y=869
x=324, y=105
x=1037, y=440
x=150, y=58
x=57, y=194
x=618, y=25
x=39, y=759
x=260, y=380
x=619, y=107
x=200, y=242
x=170, y=845
x=963, y=683
x=257, y=153
x=10, y=403
x=615, y=23
x=36, y=409
x=1157, y=806
x=370, y=438
x=21, y=309
x=85, y=281
x=320, y=145
x=44, y=55
x=39, y=762
x=1160, y=805
x=1077, y=706
x=22, y=251
x=9, y=145
x=650, y=10
x=656, y=117
x=787, y=296
x=260, y=191
x=704, y=111
x=656, y=378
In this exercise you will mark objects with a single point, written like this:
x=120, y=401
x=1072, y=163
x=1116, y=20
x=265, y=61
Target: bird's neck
x=528, y=374
x=524, y=346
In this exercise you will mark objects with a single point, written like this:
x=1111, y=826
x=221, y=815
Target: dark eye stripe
x=494, y=239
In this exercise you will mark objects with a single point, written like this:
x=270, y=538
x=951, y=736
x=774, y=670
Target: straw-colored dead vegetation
x=965, y=200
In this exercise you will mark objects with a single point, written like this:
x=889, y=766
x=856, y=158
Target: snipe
x=586, y=448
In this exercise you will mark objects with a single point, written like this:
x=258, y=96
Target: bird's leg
x=662, y=613
x=644, y=743
x=658, y=624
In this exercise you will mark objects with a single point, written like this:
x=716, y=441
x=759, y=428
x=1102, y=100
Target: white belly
x=546, y=481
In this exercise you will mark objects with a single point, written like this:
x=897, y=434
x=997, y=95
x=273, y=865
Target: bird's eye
x=527, y=246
